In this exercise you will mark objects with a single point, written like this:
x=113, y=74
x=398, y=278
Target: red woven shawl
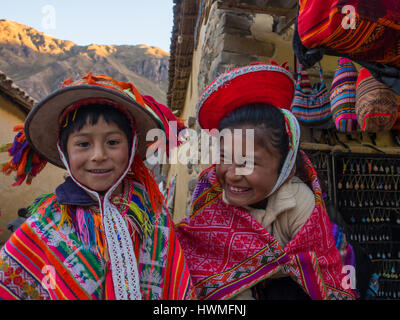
x=228, y=251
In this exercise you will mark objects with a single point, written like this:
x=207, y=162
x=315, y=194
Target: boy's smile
x=98, y=155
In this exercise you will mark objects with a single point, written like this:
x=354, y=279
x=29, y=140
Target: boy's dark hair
x=270, y=123
x=23, y=212
x=91, y=114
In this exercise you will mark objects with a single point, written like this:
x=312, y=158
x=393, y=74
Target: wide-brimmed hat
x=42, y=123
x=256, y=83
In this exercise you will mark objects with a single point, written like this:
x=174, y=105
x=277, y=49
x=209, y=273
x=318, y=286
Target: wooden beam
x=353, y=148
x=241, y=7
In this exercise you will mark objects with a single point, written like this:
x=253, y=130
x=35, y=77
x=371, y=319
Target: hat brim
x=42, y=122
x=254, y=84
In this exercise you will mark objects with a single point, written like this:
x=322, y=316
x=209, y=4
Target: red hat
x=165, y=116
x=256, y=83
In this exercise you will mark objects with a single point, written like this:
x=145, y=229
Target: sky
x=112, y=22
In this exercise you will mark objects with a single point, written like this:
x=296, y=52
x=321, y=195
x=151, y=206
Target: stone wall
x=230, y=42
x=226, y=39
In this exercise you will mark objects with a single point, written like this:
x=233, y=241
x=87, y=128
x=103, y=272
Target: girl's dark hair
x=91, y=114
x=268, y=122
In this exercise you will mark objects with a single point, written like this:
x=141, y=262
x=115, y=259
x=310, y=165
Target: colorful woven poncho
x=58, y=256
x=228, y=251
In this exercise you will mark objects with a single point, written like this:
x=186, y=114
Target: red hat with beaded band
x=256, y=83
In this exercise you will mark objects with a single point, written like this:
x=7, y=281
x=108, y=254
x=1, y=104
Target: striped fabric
x=311, y=106
x=376, y=104
x=374, y=36
x=227, y=251
x=44, y=259
x=343, y=96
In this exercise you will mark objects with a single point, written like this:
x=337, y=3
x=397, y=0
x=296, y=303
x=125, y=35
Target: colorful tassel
x=65, y=217
x=142, y=216
x=90, y=231
x=107, y=82
x=24, y=161
x=99, y=235
x=83, y=226
x=142, y=174
x=38, y=202
x=134, y=225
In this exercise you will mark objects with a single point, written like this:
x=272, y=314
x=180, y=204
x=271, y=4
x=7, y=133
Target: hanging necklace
x=345, y=166
x=369, y=163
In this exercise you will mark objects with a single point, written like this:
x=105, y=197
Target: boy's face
x=98, y=154
x=250, y=189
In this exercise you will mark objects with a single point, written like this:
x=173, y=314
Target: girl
x=104, y=233
x=262, y=233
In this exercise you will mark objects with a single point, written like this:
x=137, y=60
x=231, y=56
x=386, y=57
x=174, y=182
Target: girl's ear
x=292, y=173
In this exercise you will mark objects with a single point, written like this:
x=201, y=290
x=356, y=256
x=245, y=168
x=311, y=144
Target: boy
x=105, y=232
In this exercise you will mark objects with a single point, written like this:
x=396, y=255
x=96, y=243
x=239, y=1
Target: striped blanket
x=48, y=258
x=228, y=251
x=374, y=36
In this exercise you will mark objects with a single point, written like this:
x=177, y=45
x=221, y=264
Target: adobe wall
x=13, y=198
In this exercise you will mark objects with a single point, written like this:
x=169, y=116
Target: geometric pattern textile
x=228, y=251
x=45, y=259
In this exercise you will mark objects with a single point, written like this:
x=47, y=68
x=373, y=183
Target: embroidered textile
x=46, y=259
x=228, y=251
x=374, y=37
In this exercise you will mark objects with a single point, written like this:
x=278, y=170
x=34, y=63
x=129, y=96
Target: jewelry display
x=366, y=192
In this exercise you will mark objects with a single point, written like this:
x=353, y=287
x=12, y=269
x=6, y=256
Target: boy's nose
x=99, y=153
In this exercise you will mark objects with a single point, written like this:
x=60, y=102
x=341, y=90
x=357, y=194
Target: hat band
x=229, y=76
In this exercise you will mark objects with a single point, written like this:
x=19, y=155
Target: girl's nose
x=231, y=174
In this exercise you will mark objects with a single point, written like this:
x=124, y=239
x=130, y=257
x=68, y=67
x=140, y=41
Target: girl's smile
x=248, y=189
x=237, y=190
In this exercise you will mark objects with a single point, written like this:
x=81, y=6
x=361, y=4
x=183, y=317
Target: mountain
x=39, y=63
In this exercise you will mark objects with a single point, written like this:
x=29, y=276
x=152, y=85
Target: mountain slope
x=39, y=63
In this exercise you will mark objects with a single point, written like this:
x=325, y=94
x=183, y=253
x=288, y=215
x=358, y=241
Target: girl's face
x=248, y=189
x=98, y=155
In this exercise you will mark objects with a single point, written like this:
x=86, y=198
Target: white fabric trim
x=291, y=156
x=124, y=269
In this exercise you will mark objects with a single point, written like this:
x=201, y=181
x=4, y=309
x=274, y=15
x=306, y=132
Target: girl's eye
x=250, y=163
x=82, y=144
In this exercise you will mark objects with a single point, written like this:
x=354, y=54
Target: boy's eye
x=113, y=142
